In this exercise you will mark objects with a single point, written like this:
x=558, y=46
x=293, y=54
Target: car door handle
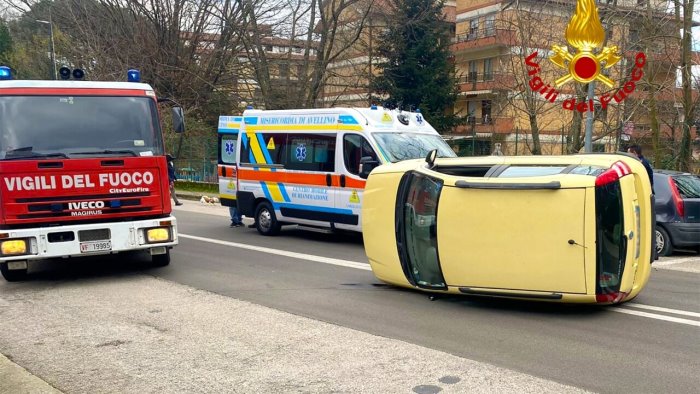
x=223, y=171
x=342, y=181
x=329, y=180
x=508, y=186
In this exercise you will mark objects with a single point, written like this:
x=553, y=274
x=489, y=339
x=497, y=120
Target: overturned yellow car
x=573, y=228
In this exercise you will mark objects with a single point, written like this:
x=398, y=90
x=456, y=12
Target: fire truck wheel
x=161, y=260
x=13, y=275
x=265, y=219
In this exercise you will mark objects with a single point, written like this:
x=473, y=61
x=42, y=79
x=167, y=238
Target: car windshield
x=688, y=186
x=78, y=126
x=405, y=146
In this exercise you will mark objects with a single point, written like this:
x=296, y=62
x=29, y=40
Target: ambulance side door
x=352, y=147
x=227, y=171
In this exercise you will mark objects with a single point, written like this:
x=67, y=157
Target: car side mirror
x=178, y=120
x=367, y=164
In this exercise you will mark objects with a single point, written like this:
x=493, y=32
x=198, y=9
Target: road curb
x=16, y=379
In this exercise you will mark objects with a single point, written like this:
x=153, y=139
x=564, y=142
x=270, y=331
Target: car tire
x=266, y=220
x=663, y=242
x=161, y=260
x=13, y=275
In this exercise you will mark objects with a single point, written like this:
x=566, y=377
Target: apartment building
x=349, y=75
x=492, y=40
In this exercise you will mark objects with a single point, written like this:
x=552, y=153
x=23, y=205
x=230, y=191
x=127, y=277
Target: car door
x=513, y=234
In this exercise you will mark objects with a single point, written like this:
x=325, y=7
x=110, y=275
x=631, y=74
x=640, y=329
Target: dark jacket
x=171, y=172
x=650, y=172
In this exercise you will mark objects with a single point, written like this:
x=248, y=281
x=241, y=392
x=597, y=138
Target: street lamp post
x=53, y=51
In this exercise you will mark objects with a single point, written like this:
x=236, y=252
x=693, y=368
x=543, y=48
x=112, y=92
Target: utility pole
x=53, y=50
x=588, y=139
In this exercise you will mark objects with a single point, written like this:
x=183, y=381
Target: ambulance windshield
x=78, y=126
x=406, y=146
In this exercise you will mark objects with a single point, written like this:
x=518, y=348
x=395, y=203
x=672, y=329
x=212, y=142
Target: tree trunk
x=683, y=163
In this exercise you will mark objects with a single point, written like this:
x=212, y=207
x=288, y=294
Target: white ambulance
x=308, y=166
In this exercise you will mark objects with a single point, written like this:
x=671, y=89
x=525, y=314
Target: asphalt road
x=593, y=348
x=649, y=345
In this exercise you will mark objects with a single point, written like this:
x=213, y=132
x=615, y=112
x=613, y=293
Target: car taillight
x=610, y=298
x=677, y=200
x=615, y=172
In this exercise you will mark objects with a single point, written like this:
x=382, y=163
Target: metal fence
x=196, y=170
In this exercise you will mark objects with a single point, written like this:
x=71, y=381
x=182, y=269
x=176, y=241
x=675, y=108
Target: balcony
x=482, y=38
x=479, y=83
x=486, y=124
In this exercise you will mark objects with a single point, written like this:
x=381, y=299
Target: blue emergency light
x=133, y=75
x=249, y=107
x=5, y=73
x=373, y=107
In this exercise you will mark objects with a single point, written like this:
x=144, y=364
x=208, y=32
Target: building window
x=486, y=112
x=488, y=69
x=634, y=40
x=471, y=77
x=284, y=71
x=490, y=25
x=473, y=29
x=268, y=48
x=471, y=110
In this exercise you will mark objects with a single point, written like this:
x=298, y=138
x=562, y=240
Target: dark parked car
x=677, y=211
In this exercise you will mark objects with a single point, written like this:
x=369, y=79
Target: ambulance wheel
x=265, y=219
x=161, y=260
x=13, y=275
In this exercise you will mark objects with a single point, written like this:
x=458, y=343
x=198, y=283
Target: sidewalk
x=15, y=379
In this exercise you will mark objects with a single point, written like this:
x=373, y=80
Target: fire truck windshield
x=78, y=126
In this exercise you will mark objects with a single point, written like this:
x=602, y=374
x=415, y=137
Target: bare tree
x=687, y=7
x=529, y=69
x=321, y=30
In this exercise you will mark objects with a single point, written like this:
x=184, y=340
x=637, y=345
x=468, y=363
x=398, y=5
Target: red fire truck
x=82, y=171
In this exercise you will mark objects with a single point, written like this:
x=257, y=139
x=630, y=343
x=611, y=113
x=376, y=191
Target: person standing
x=236, y=220
x=637, y=151
x=171, y=178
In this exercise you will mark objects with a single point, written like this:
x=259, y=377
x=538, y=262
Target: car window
x=688, y=186
x=355, y=147
x=417, y=229
x=523, y=171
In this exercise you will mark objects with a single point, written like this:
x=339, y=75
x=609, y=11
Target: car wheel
x=161, y=260
x=266, y=220
x=663, y=242
x=13, y=275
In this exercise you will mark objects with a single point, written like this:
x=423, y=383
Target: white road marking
x=655, y=316
x=673, y=261
x=366, y=267
x=302, y=256
x=660, y=309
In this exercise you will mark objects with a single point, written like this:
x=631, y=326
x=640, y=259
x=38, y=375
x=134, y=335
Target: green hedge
x=191, y=186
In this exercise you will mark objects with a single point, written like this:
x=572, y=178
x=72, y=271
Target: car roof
x=604, y=160
x=671, y=172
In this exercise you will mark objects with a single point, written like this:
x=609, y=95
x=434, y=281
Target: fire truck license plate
x=95, y=246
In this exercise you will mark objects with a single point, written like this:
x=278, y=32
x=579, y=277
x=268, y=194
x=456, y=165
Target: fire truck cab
x=82, y=171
